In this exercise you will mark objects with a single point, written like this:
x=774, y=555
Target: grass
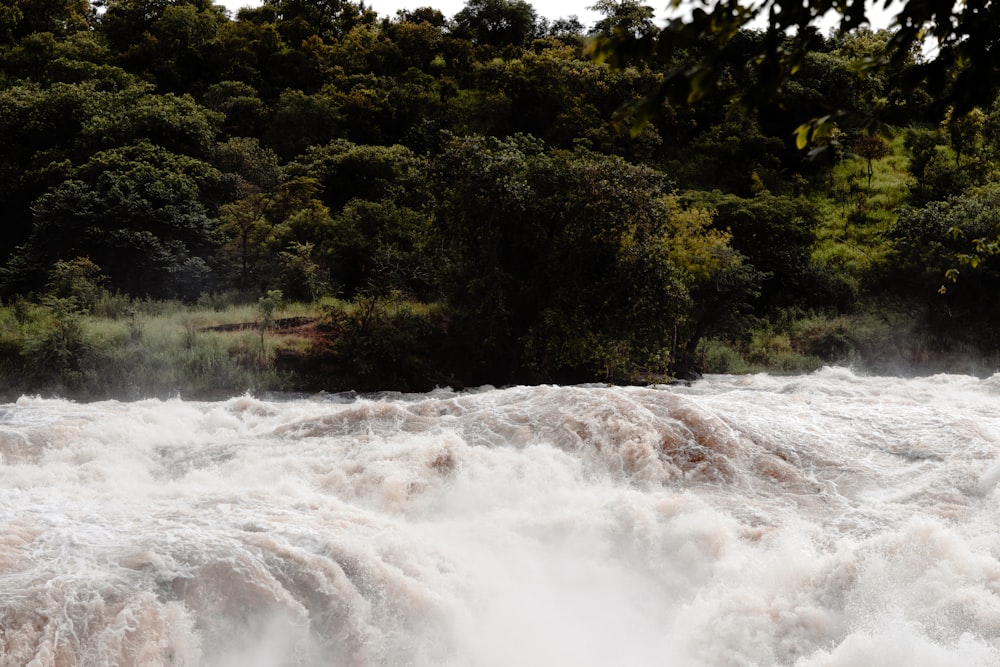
x=882, y=338
x=133, y=349
x=855, y=220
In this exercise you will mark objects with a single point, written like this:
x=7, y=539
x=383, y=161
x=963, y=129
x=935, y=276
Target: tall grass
x=884, y=338
x=131, y=349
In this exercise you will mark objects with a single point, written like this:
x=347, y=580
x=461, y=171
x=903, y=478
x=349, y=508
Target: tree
x=241, y=105
x=496, y=22
x=175, y=122
x=373, y=242
x=965, y=131
x=171, y=40
x=135, y=211
x=871, y=147
x=38, y=126
x=255, y=54
x=267, y=305
x=951, y=246
x=78, y=280
x=629, y=17
x=629, y=262
x=60, y=17
x=299, y=19
x=419, y=42
x=369, y=248
x=300, y=120
x=697, y=46
x=775, y=235
x=346, y=171
x=246, y=166
x=568, y=29
x=246, y=228
x=428, y=15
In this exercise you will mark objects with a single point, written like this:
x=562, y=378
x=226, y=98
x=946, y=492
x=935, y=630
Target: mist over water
x=829, y=519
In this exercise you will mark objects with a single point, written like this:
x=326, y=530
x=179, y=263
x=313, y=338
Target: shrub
x=382, y=343
x=79, y=281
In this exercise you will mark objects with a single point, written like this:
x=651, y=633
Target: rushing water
x=829, y=519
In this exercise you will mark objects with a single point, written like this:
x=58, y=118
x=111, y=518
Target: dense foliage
x=487, y=165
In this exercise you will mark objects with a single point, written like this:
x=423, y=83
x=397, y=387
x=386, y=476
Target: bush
x=830, y=340
x=79, y=281
x=571, y=266
x=717, y=356
x=381, y=343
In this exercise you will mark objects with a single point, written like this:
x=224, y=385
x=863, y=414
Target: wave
x=827, y=519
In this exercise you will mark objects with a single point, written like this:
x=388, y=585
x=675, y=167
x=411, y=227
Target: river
x=828, y=519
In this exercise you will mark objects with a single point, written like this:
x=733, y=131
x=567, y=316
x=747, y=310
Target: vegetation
x=307, y=196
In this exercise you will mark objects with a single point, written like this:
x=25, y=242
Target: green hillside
x=308, y=196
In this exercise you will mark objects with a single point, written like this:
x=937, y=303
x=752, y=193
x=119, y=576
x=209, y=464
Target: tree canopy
x=567, y=217
x=947, y=50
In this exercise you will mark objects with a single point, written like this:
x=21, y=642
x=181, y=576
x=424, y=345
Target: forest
x=308, y=196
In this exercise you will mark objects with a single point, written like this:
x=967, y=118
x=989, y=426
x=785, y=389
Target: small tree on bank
x=871, y=147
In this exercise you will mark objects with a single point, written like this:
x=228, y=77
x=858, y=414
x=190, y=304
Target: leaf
x=802, y=136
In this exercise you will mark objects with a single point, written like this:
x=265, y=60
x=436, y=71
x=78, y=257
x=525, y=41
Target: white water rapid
x=830, y=519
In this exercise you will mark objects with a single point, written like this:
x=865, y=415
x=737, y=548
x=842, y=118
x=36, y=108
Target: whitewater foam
x=829, y=519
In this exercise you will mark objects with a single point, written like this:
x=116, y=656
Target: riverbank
x=128, y=349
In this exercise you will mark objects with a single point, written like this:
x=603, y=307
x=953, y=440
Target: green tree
x=698, y=48
x=965, y=131
x=39, y=126
x=135, y=211
x=176, y=123
x=126, y=24
x=244, y=225
x=871, y=147
x=776, y=235
x=728, y=152
x=419, y=42
x=298, y=20
x=172, y=41
x=496, y=22
x=267, y=306
x=932, y=164
x=950, y=247
x=628, y=259
x=246, y=166
x=255, y=54
x=298, y=275
x=429, y=15
x=61, y=18
x=346, y=171
x=300, y=121
x=44, y=59
x=79, y=281
x=245, y=113
x=630, y=17
x=378, y=248
x=374, y=194
x=568, y=29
